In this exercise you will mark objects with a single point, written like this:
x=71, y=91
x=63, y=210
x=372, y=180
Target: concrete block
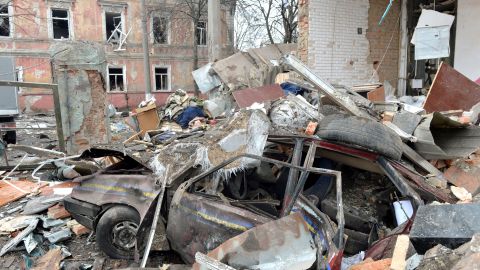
x=449, y=225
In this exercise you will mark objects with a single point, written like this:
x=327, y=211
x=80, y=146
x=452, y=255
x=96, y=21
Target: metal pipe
x=146, y=56
x=292, y=176
x=154, y=225
x=301, y=182
x=340, y=216
x=402, y=53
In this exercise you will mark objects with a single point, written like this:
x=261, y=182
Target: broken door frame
x=56, y=102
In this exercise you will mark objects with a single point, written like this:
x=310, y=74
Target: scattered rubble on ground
x=275, y=169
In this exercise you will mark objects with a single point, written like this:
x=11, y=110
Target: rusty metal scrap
x=281, y=244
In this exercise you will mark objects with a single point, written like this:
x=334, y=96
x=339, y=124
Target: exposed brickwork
x=302, y=50
x=342, y=42
x=379, y=37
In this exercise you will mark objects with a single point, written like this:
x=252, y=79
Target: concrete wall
x=467, y=50
x=32, y=39
x=342, y=42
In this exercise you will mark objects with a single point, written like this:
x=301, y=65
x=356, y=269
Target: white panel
x=467, y=48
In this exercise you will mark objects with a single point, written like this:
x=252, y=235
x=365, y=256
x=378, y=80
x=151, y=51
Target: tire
x=10, y=137
x=362, y=132
x=330, y=109
x=116, y=225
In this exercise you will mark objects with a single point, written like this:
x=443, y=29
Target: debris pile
x=273, y=168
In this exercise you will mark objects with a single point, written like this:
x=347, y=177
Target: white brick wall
x=336, y=52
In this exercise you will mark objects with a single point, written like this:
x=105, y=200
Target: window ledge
x=162, y=91
x=117, y=92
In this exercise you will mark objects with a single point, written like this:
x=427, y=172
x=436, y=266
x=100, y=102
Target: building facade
x=30, y=28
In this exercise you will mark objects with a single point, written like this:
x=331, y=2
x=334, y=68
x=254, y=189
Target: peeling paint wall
x=32, y=40
x=82, y=94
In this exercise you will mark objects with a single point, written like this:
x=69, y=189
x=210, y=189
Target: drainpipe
x=402, y=57
x=146, y=56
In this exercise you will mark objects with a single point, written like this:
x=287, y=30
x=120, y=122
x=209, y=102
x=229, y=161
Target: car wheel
x=116, y=232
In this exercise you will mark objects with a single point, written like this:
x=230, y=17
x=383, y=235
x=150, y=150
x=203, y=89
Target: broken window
x=4, y=21
x=113, y=26
x=201, y=33
x=161, y=79
x=160, y=30
x=115, y=79
x=60, y=24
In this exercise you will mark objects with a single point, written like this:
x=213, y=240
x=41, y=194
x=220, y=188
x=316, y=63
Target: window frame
x=168, y=29
x=124, y=74
x=169, y=78
x=68, y=19
x=10, y=17
x=205, y=30
x=104, y=24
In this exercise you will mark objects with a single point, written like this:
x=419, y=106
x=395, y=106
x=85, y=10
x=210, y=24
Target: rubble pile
x=272, y=169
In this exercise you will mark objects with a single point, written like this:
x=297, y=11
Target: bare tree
x=275, y=20
x=248, y=27
x=289, y=13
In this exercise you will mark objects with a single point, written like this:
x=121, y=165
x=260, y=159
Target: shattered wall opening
x=4, y=21
x=113, y=20
x=60, y=23
x=201, y=33
x=160, y=30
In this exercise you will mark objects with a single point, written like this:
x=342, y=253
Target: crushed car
x=200, y=212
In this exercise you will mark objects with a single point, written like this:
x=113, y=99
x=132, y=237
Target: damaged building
x=29, y=29
x=372, y=41
x=291, y=156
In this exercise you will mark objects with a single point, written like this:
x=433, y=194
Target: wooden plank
x=400, y=253
x=451, y=90
x=10, y=194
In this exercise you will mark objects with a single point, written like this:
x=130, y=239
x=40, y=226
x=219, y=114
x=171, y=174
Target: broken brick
x=80, y=229
x=310, y=130
x=57, y=212
x=388, y=116
x=463, y=174
x=370, y=264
